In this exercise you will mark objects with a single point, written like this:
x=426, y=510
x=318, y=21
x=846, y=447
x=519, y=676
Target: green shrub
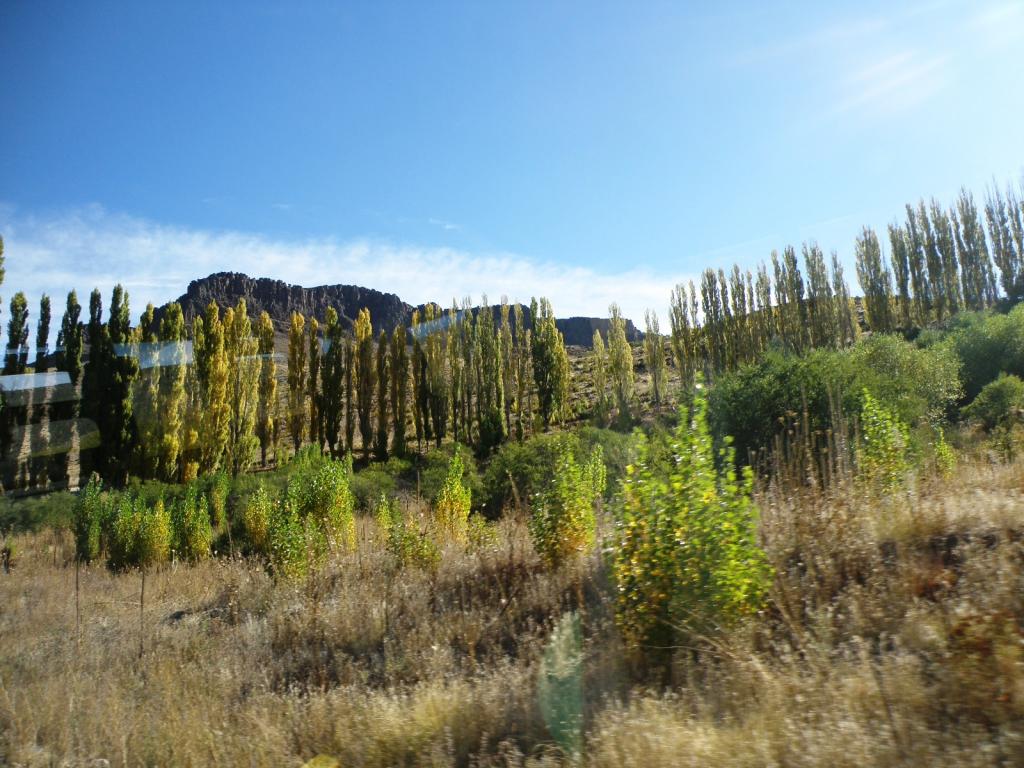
x=193, y=534
x=1000, y=402
x=688, y=558
x=919, y=385
x=256, y=519
x=140, y=534
x=944, y=455
x=882, y=455
x=321, y=493
x=217, y=493
x=293, y=546
x=987, y=345
x=451, y=508
x=88, y=520
x=405, y=541
x=370, y=483
x=434, y=470
x=32, y=513
x=562, y=522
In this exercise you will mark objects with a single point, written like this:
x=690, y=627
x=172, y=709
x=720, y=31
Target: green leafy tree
x=875, y=281
x=380, y=446
x=452, y=506
x=69, y=359
x=89, y=514
x=620, y=364
x=366, y=378
x=43, y=332
x=562, y=522
x=599, y=377
x=266, y=411
x=332, y=382
x=212, y=375
x=312, y=385
x=117, y=423
x=296, y=379
x=688, y=559
x=399, y=365
x=17, y=335
x=882, y=454
x=241, y=348
x=173, y=395
x=654, y=356
x=999, y=404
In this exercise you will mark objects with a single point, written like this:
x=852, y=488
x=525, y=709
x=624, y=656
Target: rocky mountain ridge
x=279, y=299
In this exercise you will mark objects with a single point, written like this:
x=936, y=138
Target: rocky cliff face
x=279, y=300
x=579, y=331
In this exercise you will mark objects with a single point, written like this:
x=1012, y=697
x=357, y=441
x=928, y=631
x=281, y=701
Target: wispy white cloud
x=92, y=247
x=447, y=226
x=897, y=81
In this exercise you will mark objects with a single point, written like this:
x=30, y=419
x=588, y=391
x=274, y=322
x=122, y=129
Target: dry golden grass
x=893, y=638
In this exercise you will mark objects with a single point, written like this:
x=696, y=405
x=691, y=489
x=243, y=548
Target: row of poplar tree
x=939, y=262
x=174, y=400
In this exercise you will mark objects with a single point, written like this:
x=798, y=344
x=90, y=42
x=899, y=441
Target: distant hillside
x=279, y=300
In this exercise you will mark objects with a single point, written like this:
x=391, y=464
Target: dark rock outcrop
x=579, y=331
x=279, y=300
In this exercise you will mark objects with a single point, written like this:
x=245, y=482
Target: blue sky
x=586, y=151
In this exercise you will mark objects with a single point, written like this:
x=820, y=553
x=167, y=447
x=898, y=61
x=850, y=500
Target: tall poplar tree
x=524, y=373
x=399, y=365
x=549, y=368
x=43, y=333
x=266, y=414
x=380, y=445
x=875, y=281
x=173, y=395
x=684, y=336
x=332, y=383
x=365, y=378
x=620, y=364
x=599, y=378
x=120, y=435
x=899, y=258
x=297, y=379
x=212, y=374
x=69, y=359
x=17, y=335
x=242, y=349
x=313, y=386
x=654, y=355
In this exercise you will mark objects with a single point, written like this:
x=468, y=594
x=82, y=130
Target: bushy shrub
x=88, y=520
x=882, y=455
x=452, y=505
x=688, y=558
x=987, y=345
x=434, y=470
x=140, y=534
x=219, y=486
x=322, y=494
x=919, y=385
x=999, y=403
x=562, y=522
x=370, y=483
x=403, y=539
x=193, y=534
x=293, y=544
x=256, y=516
x=944, y=455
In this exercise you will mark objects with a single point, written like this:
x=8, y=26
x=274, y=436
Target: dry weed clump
x=892, y=636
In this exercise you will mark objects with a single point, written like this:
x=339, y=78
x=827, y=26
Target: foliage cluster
x=562, y=521
x=687, y=557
